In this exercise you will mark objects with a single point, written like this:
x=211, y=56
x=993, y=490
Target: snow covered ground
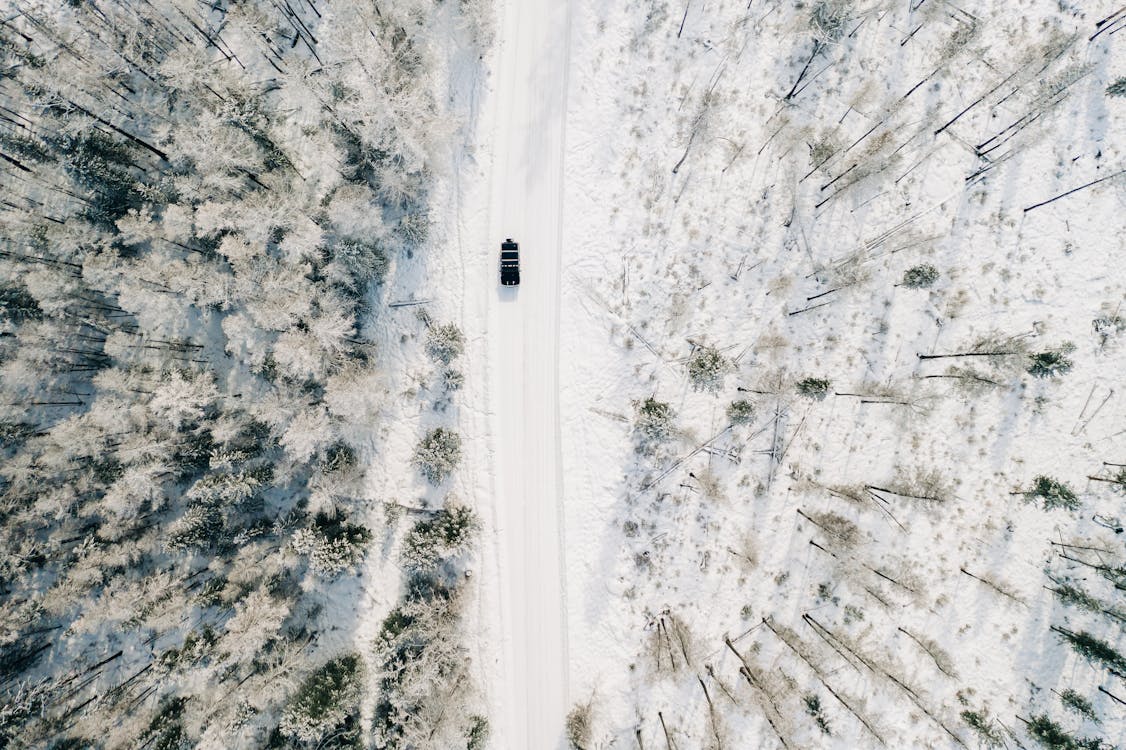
x=527, y=138
x=760, y=178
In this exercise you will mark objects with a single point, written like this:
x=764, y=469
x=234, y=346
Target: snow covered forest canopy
x=204, y=207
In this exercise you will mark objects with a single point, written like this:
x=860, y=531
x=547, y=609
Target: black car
x=509, y=263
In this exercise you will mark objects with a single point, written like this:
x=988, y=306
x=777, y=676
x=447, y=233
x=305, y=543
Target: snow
x=728, y=249
x=851, y=568
x=526, y=132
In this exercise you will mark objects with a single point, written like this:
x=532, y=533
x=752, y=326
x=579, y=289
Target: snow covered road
x=523, y=330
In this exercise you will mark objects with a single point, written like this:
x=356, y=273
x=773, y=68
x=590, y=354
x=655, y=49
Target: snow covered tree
x=740, y=412
x=331, y=544
x=815, y=388
x=652, y=424
x=1095, y=650
x=445, y=343
x=706, y=368
x=1052, y=493
x=423, y=672
x=1053, y=736
x=438, y=454
x=325, y=711
x=200, y=526
x=920, y=277
x=1049, y=364
x=438, y=539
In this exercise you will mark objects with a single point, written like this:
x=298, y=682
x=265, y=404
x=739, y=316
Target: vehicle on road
x=509, y=263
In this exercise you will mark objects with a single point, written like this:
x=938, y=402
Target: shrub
x=1049, y=364
x=1118, y=88
x=1108, y=326
x=327, y=703
x=578, y=727
x=445, y=343
x=740, y=412
x=438, y=454
x=706, y=368
x=652, y=421
x=1053, y=494
x=816, y=388
x=920, y=277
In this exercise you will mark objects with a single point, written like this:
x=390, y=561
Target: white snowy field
x=865, y=562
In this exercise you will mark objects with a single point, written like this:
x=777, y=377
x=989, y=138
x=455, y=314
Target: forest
x=207, y=208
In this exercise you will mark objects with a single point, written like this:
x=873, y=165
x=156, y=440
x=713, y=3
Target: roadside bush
x=920, y=277
x=478, y=733
x=578, y=727
x=438, y=454
x=440, y=538
x=706, y=368
x=1118, y=88
x=445, y=343
x=452, y=380
x=1052, y=493
x=816, y=388
x=740, y=412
